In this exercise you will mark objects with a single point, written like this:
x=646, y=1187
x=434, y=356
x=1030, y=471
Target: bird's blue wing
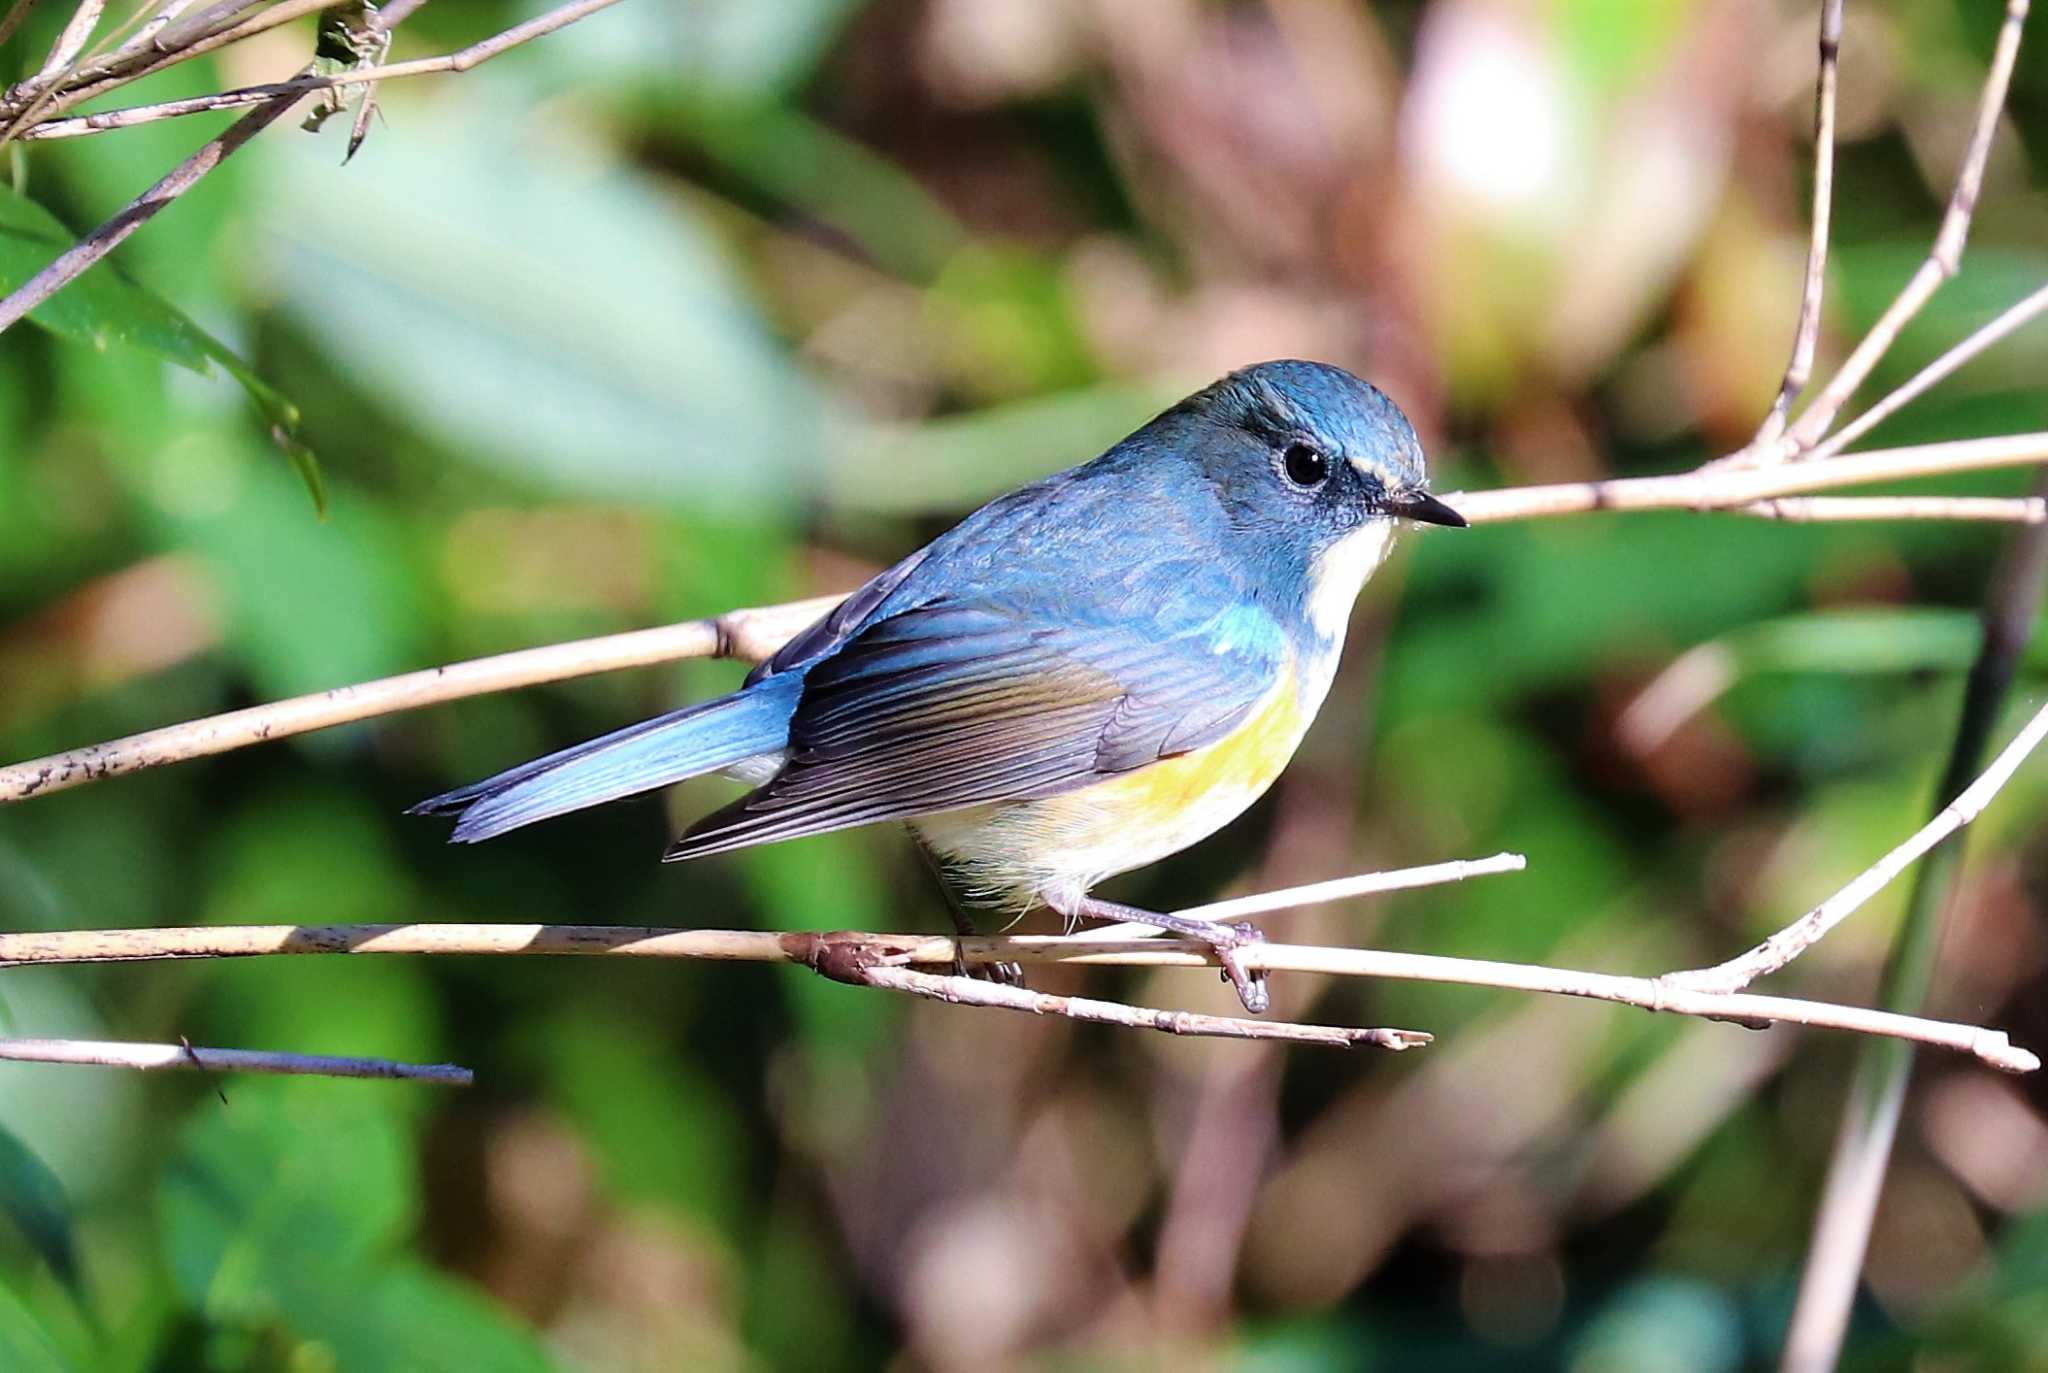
x=958, y=702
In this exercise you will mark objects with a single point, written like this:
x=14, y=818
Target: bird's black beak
x=1421, y=506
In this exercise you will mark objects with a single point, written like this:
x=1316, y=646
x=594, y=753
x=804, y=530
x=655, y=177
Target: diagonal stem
x=1870, y=1122
x=81, y=256
x=1934, y=373
x=1809, y=929
x=1800, y=369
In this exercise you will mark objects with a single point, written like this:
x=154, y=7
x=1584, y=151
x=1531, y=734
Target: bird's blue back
x=1139, y=536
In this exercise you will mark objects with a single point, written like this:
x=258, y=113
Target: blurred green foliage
x=696, y=305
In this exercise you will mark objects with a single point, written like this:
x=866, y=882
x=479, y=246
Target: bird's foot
x=1228, y=941
x=1249, y=982
x=1002, y=974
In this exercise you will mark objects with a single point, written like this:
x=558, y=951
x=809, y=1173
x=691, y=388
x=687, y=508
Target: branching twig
x=885, y=950
x=461, y=61
x=32, y=95
x=71, y=41
x=1835, y=509
x=1946, y=258
x=968, y=991
x=76, y=259
x=1347, y=888
x=747, y=634
x=476, y=54
x=1934, y=372
x=165, y=49
x=1803, y=933
x=129, y=117
x=1723, y=488
x=186, y=1058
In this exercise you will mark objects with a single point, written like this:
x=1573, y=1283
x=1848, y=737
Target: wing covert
x=949, y=704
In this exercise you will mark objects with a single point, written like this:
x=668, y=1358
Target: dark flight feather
x=952, y=705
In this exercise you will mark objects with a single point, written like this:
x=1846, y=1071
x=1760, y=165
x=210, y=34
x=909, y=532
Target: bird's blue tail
x=653, y=753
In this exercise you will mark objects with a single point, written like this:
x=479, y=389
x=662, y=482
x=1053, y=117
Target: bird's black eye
x=1303, y=465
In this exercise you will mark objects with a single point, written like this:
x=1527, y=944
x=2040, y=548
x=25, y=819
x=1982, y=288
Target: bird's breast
x=1013, y=852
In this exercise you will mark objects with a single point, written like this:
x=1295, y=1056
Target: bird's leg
x=1227, y=940
x=1008, y=974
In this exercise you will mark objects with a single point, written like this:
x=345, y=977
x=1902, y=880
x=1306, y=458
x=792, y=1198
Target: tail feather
x=653, y=753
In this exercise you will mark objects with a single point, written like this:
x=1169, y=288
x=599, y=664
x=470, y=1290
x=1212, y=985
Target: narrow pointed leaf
x=104, y=307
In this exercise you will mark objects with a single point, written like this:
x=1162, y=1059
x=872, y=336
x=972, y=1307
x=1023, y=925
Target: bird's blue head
x=1312, y=467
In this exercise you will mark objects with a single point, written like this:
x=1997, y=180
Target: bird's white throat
x=1339, y=574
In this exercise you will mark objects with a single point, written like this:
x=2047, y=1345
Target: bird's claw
x=1003, y=974
x=1249, y=982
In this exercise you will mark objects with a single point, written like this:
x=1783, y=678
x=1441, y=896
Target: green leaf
x=294, y=1187
x=411, y=1317
x=34, y=1200
x=25, y=1347
x=629, y=362
x=303, y=612
x=103, y=307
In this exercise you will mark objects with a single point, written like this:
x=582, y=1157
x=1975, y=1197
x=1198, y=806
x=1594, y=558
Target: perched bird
x=1080, y=678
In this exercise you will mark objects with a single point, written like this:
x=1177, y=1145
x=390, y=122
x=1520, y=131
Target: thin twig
x=1364, y=884
x=154, y=51
x=243, y=941
x=187, y=1058
x=1944, y=261
x=130, y=116
x=1319, y=893
x=1877, y=1088
x=1723, y=489
x=748, y=634
x=467, y=58
x=12, y=20
x=1808, y=930
x=78, y=258
x=472, y=56
x=32, y=95
x=393, y=13
x=211, y=18
x=1800, y=369
x=146, y=33
x=131, y=62
x=77, y=32
x=1833, y=509
x=1935, y=372
x=24, y=947
x=968, y=991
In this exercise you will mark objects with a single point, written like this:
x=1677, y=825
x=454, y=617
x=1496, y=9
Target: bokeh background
x=703, y=304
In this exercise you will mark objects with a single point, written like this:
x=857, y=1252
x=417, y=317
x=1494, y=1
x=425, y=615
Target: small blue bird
x=1080, y=678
